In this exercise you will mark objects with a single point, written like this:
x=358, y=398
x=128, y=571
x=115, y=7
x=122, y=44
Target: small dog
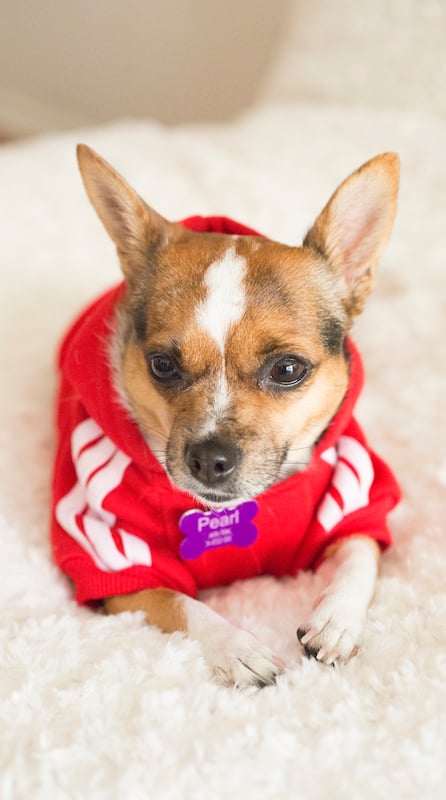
x=205, y=420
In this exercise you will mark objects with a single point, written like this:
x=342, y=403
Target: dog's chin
x=217, y=502
x=218, y=499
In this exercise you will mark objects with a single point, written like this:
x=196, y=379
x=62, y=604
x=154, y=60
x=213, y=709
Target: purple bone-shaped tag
x=207, y=529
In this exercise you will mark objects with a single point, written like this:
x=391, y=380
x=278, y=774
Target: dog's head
x=231, y=349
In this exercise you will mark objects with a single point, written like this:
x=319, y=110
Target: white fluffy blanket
x=96, y=707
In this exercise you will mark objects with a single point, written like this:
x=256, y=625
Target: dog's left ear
x=355, y=225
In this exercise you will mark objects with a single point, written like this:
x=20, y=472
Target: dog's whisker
x=304, y=448
x=298, y=449
x=153, y=429
x=297, y=463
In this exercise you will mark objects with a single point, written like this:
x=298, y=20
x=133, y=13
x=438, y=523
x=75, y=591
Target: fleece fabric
x=117, y=517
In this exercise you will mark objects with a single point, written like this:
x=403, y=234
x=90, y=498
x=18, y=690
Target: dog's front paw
x=237, y=658
x=333, y=630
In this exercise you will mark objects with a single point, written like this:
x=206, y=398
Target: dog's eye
x=164, y=370
x=285, y=372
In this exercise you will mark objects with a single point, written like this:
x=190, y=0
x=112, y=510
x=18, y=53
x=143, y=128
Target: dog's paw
x=333, y=630
x=237, y=658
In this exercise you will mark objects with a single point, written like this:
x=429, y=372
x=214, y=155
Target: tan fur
x=291, y=295
x=162, y=608
x=152, y=412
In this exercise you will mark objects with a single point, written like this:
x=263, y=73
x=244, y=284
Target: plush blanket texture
x=96, y=707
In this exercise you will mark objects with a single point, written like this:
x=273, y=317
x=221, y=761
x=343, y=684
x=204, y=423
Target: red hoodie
x=116, y=516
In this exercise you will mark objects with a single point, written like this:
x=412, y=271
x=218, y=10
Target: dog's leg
x=336, y=622
x=234, y=655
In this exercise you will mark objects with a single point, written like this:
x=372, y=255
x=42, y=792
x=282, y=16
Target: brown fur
x=162, y=608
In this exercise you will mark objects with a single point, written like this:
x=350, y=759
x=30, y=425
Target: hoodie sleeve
x=361, y=492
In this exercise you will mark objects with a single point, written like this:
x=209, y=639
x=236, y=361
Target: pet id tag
x=205, y=530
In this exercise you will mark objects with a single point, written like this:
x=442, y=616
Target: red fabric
x=115, y=524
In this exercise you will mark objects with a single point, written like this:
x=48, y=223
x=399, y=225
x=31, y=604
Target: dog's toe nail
x=300, y=633
x=305, y=636
x=310, y=652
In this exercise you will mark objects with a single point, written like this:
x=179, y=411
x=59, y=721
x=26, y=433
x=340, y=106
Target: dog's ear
x=355, y=225
x=135, y=228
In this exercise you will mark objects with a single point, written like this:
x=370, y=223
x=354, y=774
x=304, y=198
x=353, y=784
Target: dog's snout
x=212, y=461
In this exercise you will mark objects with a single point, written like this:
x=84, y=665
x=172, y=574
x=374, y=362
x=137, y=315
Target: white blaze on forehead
x=222, y=307
x=225, y=300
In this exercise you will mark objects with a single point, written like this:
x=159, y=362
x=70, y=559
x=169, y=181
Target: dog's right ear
x=135, y=228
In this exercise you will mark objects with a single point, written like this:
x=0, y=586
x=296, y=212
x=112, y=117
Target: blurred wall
x=75, y=62
x=382, y=53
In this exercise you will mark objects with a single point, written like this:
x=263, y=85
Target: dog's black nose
x=212, y=461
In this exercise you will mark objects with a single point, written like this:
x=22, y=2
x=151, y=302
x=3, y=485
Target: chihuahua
x=205, y=418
